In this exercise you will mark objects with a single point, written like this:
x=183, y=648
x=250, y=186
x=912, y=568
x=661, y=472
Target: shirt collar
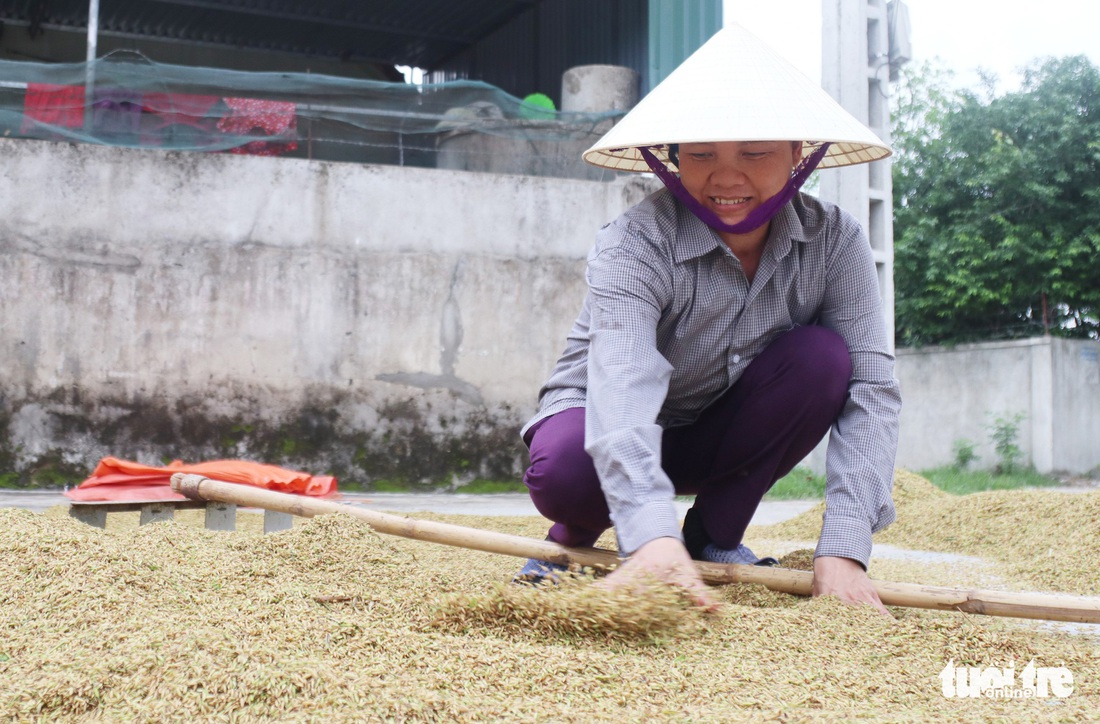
x=695, y=239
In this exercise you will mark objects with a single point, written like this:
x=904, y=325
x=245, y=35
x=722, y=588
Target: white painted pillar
x=855, y=71
x=89, y=65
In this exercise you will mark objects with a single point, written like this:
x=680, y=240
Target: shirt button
x=736, y=358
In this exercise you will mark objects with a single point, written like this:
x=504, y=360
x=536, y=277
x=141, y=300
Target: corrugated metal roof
x=422, y=33
x=530, y=53
x=522, y=46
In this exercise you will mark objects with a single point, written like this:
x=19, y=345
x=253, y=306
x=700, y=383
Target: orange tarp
x=115, y=479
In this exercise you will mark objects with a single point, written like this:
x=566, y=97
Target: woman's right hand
x=666, y=560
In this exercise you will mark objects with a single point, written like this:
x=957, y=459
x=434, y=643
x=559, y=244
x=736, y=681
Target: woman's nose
x=727, y=174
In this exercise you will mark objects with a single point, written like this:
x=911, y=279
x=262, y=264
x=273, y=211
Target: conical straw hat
x=736, y=88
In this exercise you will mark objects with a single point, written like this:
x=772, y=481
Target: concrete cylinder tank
x=598, y=88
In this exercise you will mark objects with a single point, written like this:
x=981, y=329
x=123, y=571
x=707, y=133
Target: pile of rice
x=1042, y=539
x=330, y=621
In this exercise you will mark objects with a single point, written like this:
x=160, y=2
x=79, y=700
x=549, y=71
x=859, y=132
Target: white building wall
x=218, y=294
x=957, y=393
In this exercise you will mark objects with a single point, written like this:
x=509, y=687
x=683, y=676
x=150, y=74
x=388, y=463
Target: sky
x=999, y=35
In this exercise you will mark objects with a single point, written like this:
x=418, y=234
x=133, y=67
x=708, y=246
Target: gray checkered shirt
x=669, y=324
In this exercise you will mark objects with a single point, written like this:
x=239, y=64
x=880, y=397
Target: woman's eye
x=755, y=154
x=699, y=156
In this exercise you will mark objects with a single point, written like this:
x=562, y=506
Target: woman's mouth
x=729, y=202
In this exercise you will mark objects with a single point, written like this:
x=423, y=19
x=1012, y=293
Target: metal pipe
x=89, y=64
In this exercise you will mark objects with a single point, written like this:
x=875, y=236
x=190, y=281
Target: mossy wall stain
x=412, y=444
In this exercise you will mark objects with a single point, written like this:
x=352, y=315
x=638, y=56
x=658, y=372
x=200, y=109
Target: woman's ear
x=674, y=154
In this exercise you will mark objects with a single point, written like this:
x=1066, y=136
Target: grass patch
x=799, y=484
x=385, y=486
x=962, y=482
x=396, y=485
x=479, y=485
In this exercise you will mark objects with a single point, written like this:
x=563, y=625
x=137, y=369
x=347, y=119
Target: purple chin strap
x=759, y=216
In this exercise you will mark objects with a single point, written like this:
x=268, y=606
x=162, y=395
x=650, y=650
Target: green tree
x=997, y=206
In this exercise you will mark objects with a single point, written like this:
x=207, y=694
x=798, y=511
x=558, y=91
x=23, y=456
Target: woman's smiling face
x=731, y=178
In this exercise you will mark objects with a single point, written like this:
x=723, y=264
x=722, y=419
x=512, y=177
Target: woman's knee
x=562, y=479
x=567, y=492
x=820, y=356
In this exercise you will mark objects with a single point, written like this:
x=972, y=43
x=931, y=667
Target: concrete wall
x=956, y=393
x=376, y=322
x=1075, y=392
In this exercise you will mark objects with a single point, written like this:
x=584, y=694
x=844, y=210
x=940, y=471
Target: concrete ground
x=502, y=504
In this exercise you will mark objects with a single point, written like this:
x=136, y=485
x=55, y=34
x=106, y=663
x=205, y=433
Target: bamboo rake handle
x=1051, y=607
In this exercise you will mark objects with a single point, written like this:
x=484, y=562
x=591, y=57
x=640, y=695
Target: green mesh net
x=128, y=100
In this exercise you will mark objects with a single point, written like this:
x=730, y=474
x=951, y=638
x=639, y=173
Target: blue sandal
x=535, y=572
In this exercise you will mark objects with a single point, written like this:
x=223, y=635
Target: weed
x=964, y=453
x=1004, y=431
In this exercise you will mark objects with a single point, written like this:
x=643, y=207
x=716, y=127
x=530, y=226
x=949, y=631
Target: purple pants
x=768, y=421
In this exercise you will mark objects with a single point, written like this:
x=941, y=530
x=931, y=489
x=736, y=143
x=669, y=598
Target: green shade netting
x=135, y=102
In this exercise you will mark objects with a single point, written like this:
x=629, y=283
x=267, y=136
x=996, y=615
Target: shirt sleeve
x=628, y=380
x=863, y=442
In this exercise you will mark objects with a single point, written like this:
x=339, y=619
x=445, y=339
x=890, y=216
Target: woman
x=730, y=322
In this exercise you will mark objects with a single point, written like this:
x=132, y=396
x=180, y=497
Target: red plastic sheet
x=121, y=480
x=273, y=118
x=54, y=105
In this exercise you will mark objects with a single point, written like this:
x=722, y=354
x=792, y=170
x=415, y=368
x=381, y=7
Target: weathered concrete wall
x=1075, y=392
x=376, y=322
x=952, y=394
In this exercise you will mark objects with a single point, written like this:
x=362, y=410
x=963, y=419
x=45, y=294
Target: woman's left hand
x=845, y=579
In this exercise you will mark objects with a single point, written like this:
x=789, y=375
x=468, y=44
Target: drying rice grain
x=574, y=609
x=330, y=622
x=1044, y=539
